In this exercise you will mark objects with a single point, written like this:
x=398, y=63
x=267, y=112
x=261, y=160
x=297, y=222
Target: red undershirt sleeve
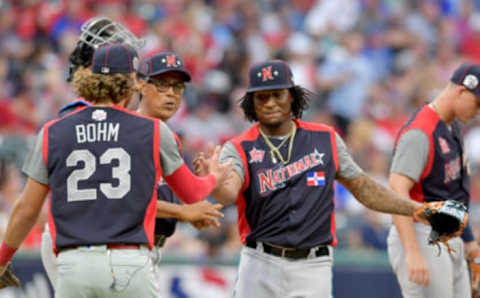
x=188, y=187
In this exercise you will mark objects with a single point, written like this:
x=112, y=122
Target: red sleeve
x=188, y=187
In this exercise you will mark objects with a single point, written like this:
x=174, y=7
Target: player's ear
x=141, y=86
x=459, y=89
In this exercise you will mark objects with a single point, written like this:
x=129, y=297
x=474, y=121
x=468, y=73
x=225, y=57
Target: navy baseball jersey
x=445, y=173
x=102, y=163
x=288, y=205
x=163, y=226
x=166, y=226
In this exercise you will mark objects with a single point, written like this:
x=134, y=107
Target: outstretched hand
x=202, y=211
x=209, y=163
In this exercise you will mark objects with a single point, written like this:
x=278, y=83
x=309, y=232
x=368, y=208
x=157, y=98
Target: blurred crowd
x=369, y=63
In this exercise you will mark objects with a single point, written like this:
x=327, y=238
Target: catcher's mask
x=95, y=32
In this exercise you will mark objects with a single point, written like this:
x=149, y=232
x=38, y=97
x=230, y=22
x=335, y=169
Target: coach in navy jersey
x=102, y=164
x=162, y=80
x=429, y=165
x=283, y=185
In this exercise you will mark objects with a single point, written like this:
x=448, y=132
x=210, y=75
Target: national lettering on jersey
x=275, y=178
x=315, y=178
x=277, y=205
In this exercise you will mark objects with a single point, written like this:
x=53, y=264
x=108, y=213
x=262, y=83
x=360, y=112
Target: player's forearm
x=377, y=197
x=402, y=185
x=227, y=192
x=168, y=210
x=20, y=223
x=225, y=196
x=24, y=215
x=406, y=232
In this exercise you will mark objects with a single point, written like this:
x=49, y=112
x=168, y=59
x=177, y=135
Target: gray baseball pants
x=96, y=271
x=448, y=272
x=261, y=275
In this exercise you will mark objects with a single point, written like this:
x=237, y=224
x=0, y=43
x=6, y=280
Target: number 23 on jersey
x=120, y=172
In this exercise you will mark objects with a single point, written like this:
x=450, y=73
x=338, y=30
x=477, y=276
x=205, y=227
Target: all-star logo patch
x=99, y=115
x=256, y=155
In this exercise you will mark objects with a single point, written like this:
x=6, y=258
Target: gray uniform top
x=411, y=154
x=347, y=168
x=170, y=157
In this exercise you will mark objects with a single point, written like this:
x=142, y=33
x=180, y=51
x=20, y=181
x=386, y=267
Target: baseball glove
x=473, y=260
x=8, y=279
x=447, y=218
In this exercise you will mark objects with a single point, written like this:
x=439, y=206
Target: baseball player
x=95, y=32
x=283, y=185
x=428, y=165
x=102, y=163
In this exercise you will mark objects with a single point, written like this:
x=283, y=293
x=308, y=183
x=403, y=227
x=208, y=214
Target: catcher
x=429, y=165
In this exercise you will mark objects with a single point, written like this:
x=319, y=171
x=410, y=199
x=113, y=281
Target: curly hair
x=301, y=100
x=99, y=88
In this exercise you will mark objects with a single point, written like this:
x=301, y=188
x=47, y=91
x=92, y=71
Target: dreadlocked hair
x=301, y=99
x=100, y=88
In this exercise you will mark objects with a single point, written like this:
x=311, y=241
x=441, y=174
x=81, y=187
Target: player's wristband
x=6, y=253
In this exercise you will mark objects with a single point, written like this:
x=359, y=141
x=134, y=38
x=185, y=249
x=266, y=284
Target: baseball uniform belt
x=291, y=253
x=123, y=246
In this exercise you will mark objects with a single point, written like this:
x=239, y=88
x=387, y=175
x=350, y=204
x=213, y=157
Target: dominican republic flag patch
x=316, y=178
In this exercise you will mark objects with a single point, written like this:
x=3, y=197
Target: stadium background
x=369, y=62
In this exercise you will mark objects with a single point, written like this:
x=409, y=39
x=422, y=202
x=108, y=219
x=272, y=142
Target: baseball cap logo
x=171, y=61
x=267, y=73
x=470, y=81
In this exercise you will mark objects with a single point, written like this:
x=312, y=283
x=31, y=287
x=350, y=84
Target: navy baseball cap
x=162, y=63
x=115, y=58
x=270, y=75
x=468, y=75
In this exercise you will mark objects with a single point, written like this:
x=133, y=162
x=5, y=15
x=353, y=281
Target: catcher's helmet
x=95, y=32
